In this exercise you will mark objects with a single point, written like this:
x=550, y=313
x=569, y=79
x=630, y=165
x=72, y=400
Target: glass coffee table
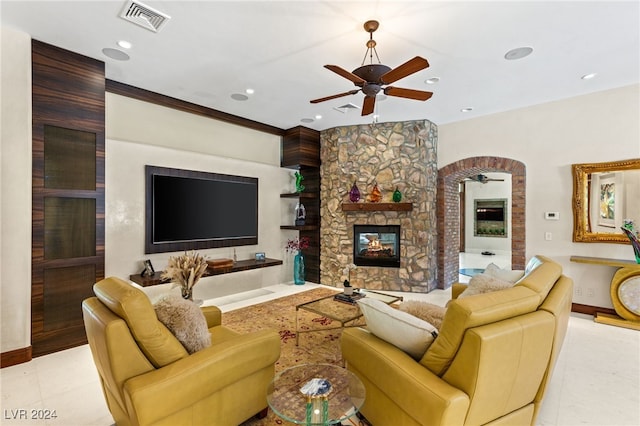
x=345, y=313
x=339, y=397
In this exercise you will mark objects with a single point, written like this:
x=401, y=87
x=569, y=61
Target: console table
x=241, y=265
x=624, y=290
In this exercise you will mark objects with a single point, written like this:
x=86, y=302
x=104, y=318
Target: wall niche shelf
x=377, y=207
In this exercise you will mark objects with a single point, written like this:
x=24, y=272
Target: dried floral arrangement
x=297, y=244
x=185, y=270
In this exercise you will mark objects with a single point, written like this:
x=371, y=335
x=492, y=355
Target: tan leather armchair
x=490, y=364
x=147, y=376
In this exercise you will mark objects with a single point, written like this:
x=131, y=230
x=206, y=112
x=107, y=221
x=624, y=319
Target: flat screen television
x=191, y=210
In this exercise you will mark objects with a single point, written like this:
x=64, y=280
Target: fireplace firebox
x=376, y=245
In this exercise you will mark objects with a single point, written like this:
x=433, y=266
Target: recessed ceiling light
x=432, y=80
x=116, y=54
x=249, y=91
x=124, y=44
x=589, y=76
x=467, y=109
x=518, y=53
x=239, y=97
x=307, y=120
x=318, y=117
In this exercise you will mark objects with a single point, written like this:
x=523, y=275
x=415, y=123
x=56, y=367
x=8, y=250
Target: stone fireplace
x=398, y=155
x=376, y=245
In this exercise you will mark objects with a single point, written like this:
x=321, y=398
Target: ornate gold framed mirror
x=604, y=195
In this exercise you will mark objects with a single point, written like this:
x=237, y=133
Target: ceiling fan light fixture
x=432, y=80
x=373, y=79
x=589, y=76
x=466, y=109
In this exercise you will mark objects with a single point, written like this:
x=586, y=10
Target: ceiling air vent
x=143, y=15
x=345, y=108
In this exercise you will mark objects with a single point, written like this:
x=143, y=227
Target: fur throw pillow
x=483, y=283
x=433, y=314
x=185, y=320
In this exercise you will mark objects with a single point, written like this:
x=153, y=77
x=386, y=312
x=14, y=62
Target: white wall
x=548, y=138
x=487, y=191
x=198, y=144
x=15, y=190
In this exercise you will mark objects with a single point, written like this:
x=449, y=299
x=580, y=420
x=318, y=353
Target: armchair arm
x=413, y=388
x=160, y=393
x=457, y=289
x=213, y=315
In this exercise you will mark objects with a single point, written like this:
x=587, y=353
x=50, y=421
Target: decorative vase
x=635, y=243
x=299, y=185
x=375, y=195
x=397, y=195
x=298, y=269
x=354, y=193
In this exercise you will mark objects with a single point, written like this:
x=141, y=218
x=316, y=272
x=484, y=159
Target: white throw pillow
x=504, y=274
x=403, y=330
x=484, y=283
x=185, y=320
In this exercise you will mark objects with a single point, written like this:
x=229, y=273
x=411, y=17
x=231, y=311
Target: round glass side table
x=343, y=398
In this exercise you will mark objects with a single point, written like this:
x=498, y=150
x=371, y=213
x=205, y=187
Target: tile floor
x=596, y=379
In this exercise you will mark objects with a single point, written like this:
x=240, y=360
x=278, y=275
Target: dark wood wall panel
x=68, y=107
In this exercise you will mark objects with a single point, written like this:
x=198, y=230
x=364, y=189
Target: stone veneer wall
x=403, y=155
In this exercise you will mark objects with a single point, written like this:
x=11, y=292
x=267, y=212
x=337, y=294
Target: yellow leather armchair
x=490, y=364
x=147, y=376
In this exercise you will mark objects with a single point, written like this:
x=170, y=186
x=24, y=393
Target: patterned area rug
x=315, y=347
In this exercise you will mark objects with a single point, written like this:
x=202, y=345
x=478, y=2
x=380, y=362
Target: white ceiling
x=210, y=50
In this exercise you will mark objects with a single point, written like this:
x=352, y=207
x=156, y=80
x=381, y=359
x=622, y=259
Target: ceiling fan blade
x=368, y=105
x=346, y=74
x=418, y=95
x=412, y=65
x=339, y=95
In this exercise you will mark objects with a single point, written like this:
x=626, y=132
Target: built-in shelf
x=300, y=228
x=299, y=195
x=241, y=265
x=377, y=207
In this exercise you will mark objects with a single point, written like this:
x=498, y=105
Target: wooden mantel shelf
x=377, y=207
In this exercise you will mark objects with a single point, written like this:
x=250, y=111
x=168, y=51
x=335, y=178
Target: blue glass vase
x=298, y=269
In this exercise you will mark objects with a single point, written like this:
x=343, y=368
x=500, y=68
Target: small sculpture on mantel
x=397, y=195
x=376, y=195
x=354, y=193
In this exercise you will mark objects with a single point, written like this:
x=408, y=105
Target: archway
x=448, y=211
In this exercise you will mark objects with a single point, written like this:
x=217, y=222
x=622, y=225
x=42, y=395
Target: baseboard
x=17, y=356
x=590, y=310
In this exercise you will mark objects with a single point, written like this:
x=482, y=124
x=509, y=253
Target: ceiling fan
x=482, y=179
x=372, y=78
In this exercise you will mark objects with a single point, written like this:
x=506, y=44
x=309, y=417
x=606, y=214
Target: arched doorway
x=448, y=211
